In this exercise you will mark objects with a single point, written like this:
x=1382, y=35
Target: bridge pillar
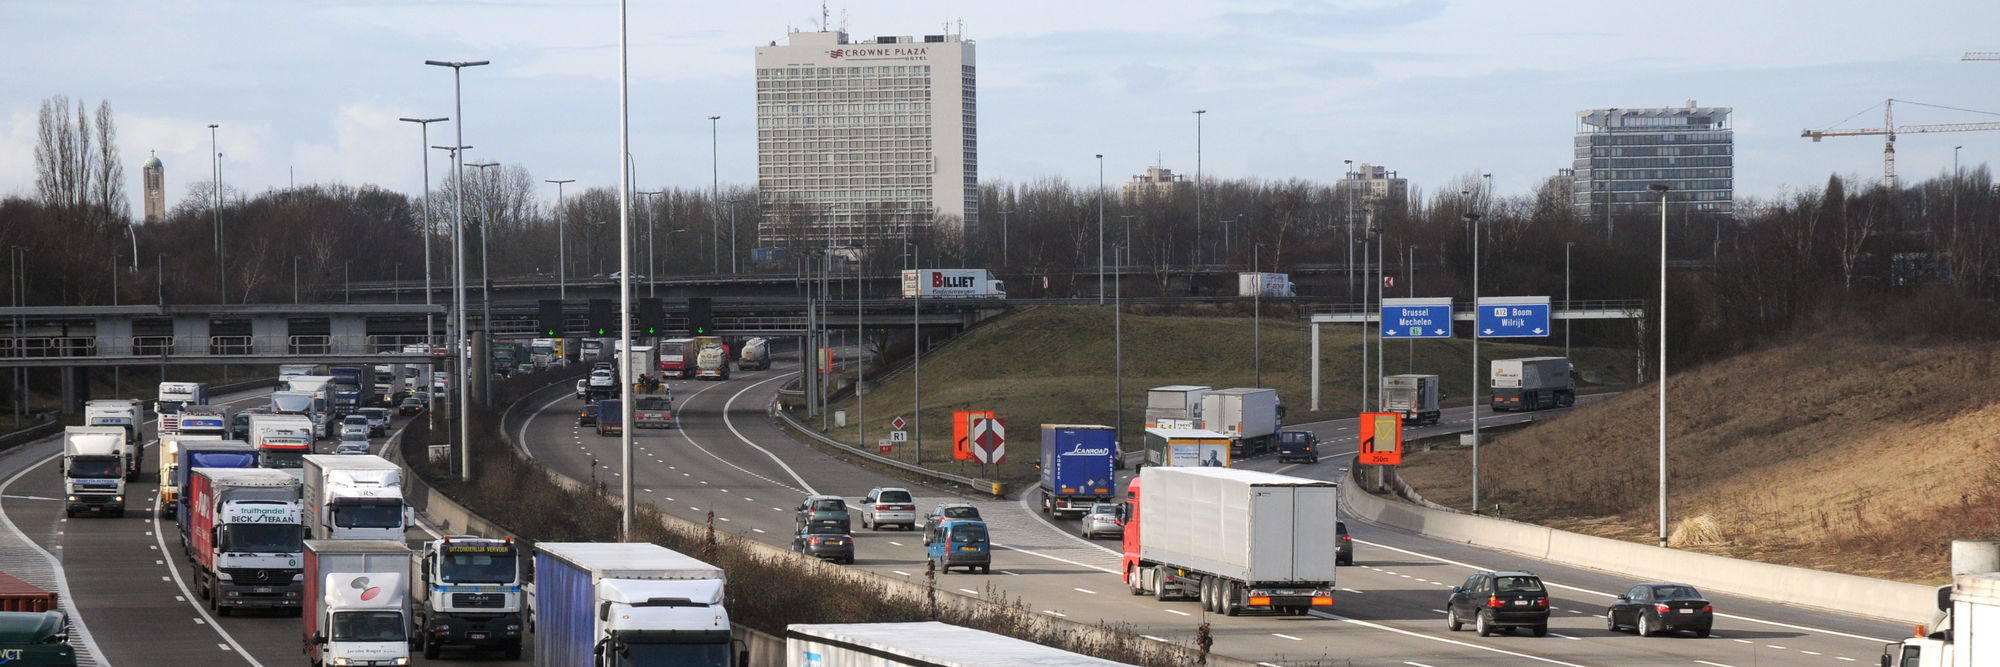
x=349, y=332
x=482, y=368
x=190, y=335
x=75, y=388
x=270, y=335
x=114, y=336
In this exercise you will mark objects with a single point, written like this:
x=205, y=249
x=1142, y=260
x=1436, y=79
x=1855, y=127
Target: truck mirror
x=319, y=639
x=604, y=611
x=742, y=658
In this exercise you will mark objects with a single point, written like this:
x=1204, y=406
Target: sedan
x=1102, y=521
x=1343, y=544
x=824, y=539
x=410, y=406
x=1650, y=609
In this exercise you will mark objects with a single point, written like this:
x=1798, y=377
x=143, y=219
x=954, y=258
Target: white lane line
x=1716, y=664
x=1084, y=590
x=1162, y=640
x=724, y=518
x=731, y=423
x=896, y=543
x=1177, y=611
x=200, y=622
x=1285, y=636
x=1010, y=574
x=969, y=591
x=1055, y=613
x=1557, y=634
x=1551, y=584
x=1809, y=652
x=901, y=572
x=756, y=530
x=224, y=647
x=1350, y=590
x=1837, y=657
x=1415, y=664
x=1454, y=642
x=1774, y=646
x=1741, y=641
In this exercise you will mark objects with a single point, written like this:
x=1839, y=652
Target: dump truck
x=1237, y=540
x=1532, y=383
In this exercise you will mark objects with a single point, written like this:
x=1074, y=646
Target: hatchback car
x=351, y=447
x=587, y=416
x=410, y=406
x=824, y=539
x=888, y=506
x=945, y=512
x=1495, y=600
x=582, y=389
x=818, y=509
x=1650, y=609
x=1343, y=544
x=1102, y=521
x=378, y=421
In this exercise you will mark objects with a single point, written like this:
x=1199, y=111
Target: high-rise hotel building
x=861, y=142
x=1621, y=151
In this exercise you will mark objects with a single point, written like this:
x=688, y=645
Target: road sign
x=1382, y=438
x=1416, y=318
x=961, y=432
x=899, y=436
x=898, y=423
x=1512, y=317
x=885, y=446
x=989, y=440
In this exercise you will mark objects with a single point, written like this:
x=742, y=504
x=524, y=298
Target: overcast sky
x=1432, y=88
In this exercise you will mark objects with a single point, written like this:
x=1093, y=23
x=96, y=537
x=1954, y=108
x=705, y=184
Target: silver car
x=1102, y=521
x=352, y=447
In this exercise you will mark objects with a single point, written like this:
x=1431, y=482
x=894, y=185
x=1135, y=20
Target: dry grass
x=1832, y=452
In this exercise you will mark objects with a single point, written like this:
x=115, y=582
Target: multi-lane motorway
x=127, y=577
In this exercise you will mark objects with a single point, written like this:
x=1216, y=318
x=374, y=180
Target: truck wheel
x=430, y=650
x=1208, y=595
x=1229, y=605
x=1159, y=583
x=1132, y=583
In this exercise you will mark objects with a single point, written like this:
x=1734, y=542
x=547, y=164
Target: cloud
x=1336, y=21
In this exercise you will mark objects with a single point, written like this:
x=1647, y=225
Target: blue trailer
x=1078, y=467
x=629, y=604
x=207, y=454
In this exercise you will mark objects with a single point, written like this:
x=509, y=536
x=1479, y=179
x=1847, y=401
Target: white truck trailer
x=1237, y=540
x=1414, y=396
x=357, y=602
x=1532, y=383
x=1249, y=416
x=354, y=497
x=1174, y=406
x=919, y=644
x=952, y=284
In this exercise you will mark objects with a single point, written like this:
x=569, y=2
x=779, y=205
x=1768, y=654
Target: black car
x=1650, y=609
x=587, y=416
x=1343, y=544
x=824, y=539
x=1494, y=600
x=818, y=509
x=944, y=511
x=1300, y=446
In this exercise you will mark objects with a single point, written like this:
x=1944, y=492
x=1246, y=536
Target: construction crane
x=1889, y=131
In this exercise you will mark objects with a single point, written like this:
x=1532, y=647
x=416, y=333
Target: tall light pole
x=430, y=330
x=1381, y=276
x=1567, y=321
x=562, y=252
x=917, y=356
x=1198, y=113
x=715, y=197
x=1473, y=220
x=1100, y=229
x=652, y=271
x=1410, y=282
x=215, y=163
x=733, y=204
x=860, y=366
x=1257, y=314
x=485, y=275
x=1349, y=224
x=455, y=327
x=1003, y=238
x=458, y=287
x=1954, y=198
x=1661, y=190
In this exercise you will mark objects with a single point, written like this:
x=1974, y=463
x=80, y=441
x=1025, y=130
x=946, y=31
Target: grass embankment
x=1054, y=365
x=1834, y=452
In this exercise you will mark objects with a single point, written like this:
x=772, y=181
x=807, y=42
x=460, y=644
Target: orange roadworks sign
x=1381, y=438
x=961, y=432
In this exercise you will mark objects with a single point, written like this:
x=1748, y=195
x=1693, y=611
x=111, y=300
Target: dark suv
x=1491, y=600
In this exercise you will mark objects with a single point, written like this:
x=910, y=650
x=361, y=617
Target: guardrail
x=48, y=426
x=987, y=486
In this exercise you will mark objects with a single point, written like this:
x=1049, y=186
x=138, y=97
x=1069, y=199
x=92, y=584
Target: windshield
x=970, y=534
x=1517, y=584
x=650, y=403
x=99, y=469
x=285, y=538
x=894, y=497
x=1103, y=508
x=648, y=655
x=355, y=420
x=961, y=512
x=368, y=626
x=368, y=516
x=824, y=528
x=283, y=458
x=169, y=407
x=1675, y=593
x=1292, y=437
x=461, y=566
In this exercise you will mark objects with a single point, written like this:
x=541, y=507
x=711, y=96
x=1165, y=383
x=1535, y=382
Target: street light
x=1198, y=113
x=1257, y=314
x=1348, y=191
x=1472, y=219
x=458, y=252
x=1100, y=229
x=429, y=229
x=1567, y=321
x=485, y=274
x=652, y=271
x=1661, y=190
x=714, y=195
x=562, y=252
x=215, y=163
x=1003, y=238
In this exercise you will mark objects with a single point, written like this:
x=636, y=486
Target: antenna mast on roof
x=823, y=20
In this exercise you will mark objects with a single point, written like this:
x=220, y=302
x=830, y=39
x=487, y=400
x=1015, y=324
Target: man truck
x=1237, y=540
x=467, y=593
x=357, y=602
x=629, y=604
x=1414, y=396
x=246, y=538
x=1532, y=383
x=353, y=497
x=93, y=468
x=1078, y=464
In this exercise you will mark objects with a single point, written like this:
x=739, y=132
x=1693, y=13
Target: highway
x=128, y=576
x=728, y=456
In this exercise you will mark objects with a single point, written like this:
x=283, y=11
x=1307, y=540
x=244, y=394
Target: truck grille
x=478, y=600
x=275, y=576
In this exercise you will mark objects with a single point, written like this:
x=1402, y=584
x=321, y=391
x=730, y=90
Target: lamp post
x=1661, y=190
x=1472, y=219
x=917, y=357
x=1410, y=266
x=714, y=195
x=295, y=280
x=485, y=275
x=1567, y=322
x=1198, y=113
x=455, y=327
x=1003, y=238
x=1100, y=229
x=215, y=163
x=429, y=228
x=458, y=285
x=733, y=204
x=625, y=179
x=1348, y=194
x=1257, y=314
x=652, y=270
x=562, y=252
x=1954, y=198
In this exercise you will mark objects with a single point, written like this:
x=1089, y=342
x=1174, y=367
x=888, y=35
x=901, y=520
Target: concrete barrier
x=1844, y=593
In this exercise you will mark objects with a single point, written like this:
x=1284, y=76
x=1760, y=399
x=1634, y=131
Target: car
x=1101, y=521
x=352, y=447
x=1650, y=609
x=1298, y=446
x=824, y=539
x=620, y=274
x=378, y=421
x=888, y=506
x=815, y=509
x=582, y=389
x=355, y=424
x=410, y=406
x=962, y=543
x=1343, y=544
x=946, y=511
x=587, y=416
x=603, y=378
x=1495, y=600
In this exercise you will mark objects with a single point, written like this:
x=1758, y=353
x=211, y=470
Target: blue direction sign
x=1512, y=317
x=1416, y=318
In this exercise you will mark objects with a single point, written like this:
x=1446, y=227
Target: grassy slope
x=1831, y=453
x=1054, y=365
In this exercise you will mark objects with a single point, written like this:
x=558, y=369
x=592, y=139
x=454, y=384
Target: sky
x=307, y=92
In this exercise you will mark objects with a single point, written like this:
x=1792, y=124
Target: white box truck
x=619, y=604
x=1174, y=406
x=1968, y=635
x=1532, y=383
x=122, y=414
x=1414, y=396
x=94, y=469
x=282, y=440
x=1237, y=540
x=639, y=361
x=354, y=497
x=923, y=643
x=357, y=602
x=952, y=284
x=1264, y=284
x=173, y=397
x=1249, y=416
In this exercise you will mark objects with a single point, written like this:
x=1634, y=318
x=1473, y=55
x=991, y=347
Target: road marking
x=1809, y=652
x=1350, y=590
x=1716, y=664
x=1774, y=646
x=224, y=647
x=1741, y=641
x=756, y=530
x=1177, y=611
x=1157, y=639
x=731, y=423
x=1553, y=634
x=199, y=622
x=724, y=518
x=13, y=497
x=1055, y=613
x=1415, y=664
x=1010, y=574
x=968, y=590
x=901, y=572
x=1843, y=658
x=1084, y=590
x=1285, y=636
x=66, y=599
x=896, y=543
x=1454, y=642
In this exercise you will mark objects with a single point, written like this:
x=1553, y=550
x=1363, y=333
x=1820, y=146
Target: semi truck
x=628, y=604
x=189, y=455
x=201, y=420
x=173, y=397
x=1966, y=630
x=321, y=389
x=638, y=361
x=756, y=355
x=1248, y=416
x=282, y=440
x=1264, y=284
x=1175, y=406
x=246, y=536
x=1532, y=383
x=712, y=362
x=920, y=643
x=952, y=284
x=1237, y=540
x=507, y=356
x=1187, y=447
x=1414, y=396
x=677, y=357
x=170, y=453
x=468, y=594
x=350, y=389
x=94, y=469
x=289, y=371
x=122, y=414
x=357, y=602
x=1078, y=467
x=354, y=497
x=653, y=411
